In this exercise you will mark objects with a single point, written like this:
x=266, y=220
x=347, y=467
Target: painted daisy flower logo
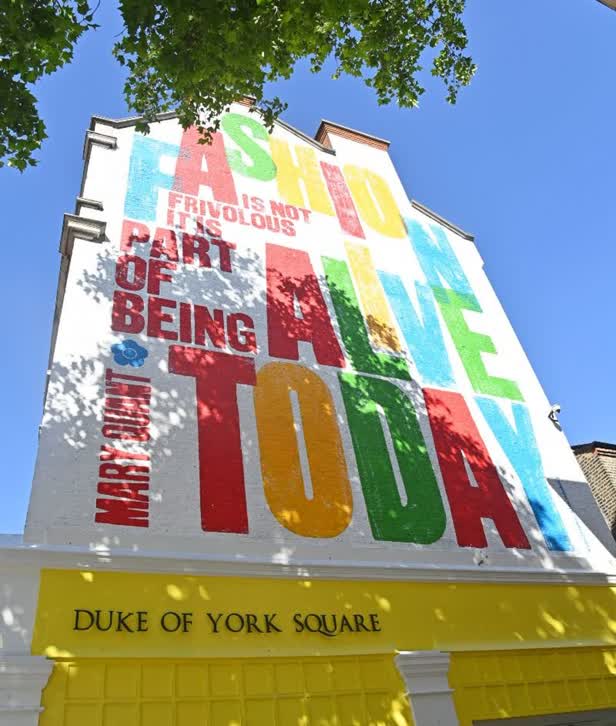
x=129, y=353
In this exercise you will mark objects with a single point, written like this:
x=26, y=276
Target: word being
x=164, y=317
x=352, y=194
x=186, y=212
x=124, y=476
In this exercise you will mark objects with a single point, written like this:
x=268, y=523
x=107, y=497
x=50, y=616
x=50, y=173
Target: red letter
x=213, y=325
x=128, y=512
x=165, y=243
x=221, y=470
x=195, y=246
x=243, y=340
x=342, y=199
x=456, y=438
x=123, y=490
x=133, y=232
x=156, y=318
x=224, y=252
x=127, y=278
x=290, y=275
x=125, y=316
x=109, y=452
x=132, y=472
x=189, y=174
x=156, y=274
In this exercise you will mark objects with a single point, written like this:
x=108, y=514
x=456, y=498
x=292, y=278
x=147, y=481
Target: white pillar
x=425, y=674
x=22, y=679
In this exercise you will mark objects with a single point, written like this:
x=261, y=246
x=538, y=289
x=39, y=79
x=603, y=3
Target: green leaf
x=190, y=55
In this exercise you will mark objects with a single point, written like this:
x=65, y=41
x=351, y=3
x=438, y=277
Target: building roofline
x=364, y=137
x=593, y=446
x=122, y=123
x=441, y=220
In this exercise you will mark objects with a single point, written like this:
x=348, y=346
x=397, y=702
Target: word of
x=165, y=318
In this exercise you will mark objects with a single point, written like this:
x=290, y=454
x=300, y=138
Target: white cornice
x=14, y=552
x=94, y=137
x=92, y=230
x=22, y=678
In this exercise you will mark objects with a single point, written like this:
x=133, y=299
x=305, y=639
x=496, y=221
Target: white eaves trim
x=13, y=551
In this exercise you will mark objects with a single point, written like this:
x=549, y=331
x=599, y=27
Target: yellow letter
x=374, y=200
x=306, y=170
x=328, y=511
x=376, y=310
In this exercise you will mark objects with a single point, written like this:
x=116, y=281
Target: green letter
x=471, y=345
x=353, y=328
x=235, y=126
x=422, y=518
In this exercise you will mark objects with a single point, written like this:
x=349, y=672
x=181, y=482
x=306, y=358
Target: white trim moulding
x=15, y=552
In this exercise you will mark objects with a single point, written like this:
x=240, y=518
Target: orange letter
x=327, y=510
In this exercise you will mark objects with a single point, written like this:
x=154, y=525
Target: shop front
x=167, y=649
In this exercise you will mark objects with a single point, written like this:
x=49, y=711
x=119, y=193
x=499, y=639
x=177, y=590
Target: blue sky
x=525, y=161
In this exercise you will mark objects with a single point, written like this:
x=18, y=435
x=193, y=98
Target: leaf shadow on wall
x=74, y=409
x=72, y=424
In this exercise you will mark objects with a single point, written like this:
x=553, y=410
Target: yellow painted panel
x=157, y=714
x=259, y=679
x=77, y=714
x=411, y=616
x=190, y=714
x=291, y=711
x=318, y=676
x=121, y=681
x=191, y=680
x=120, y=714
x=260, y=712
x=289, y=678
x=295, y=692
x=506, y=684
x=90, y=684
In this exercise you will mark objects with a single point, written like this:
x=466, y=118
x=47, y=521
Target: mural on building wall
x=290, y=355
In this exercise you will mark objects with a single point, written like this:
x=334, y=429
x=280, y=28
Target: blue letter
x=521, y=448
x=145, y=176
x=437, y=258
x=423, y=337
